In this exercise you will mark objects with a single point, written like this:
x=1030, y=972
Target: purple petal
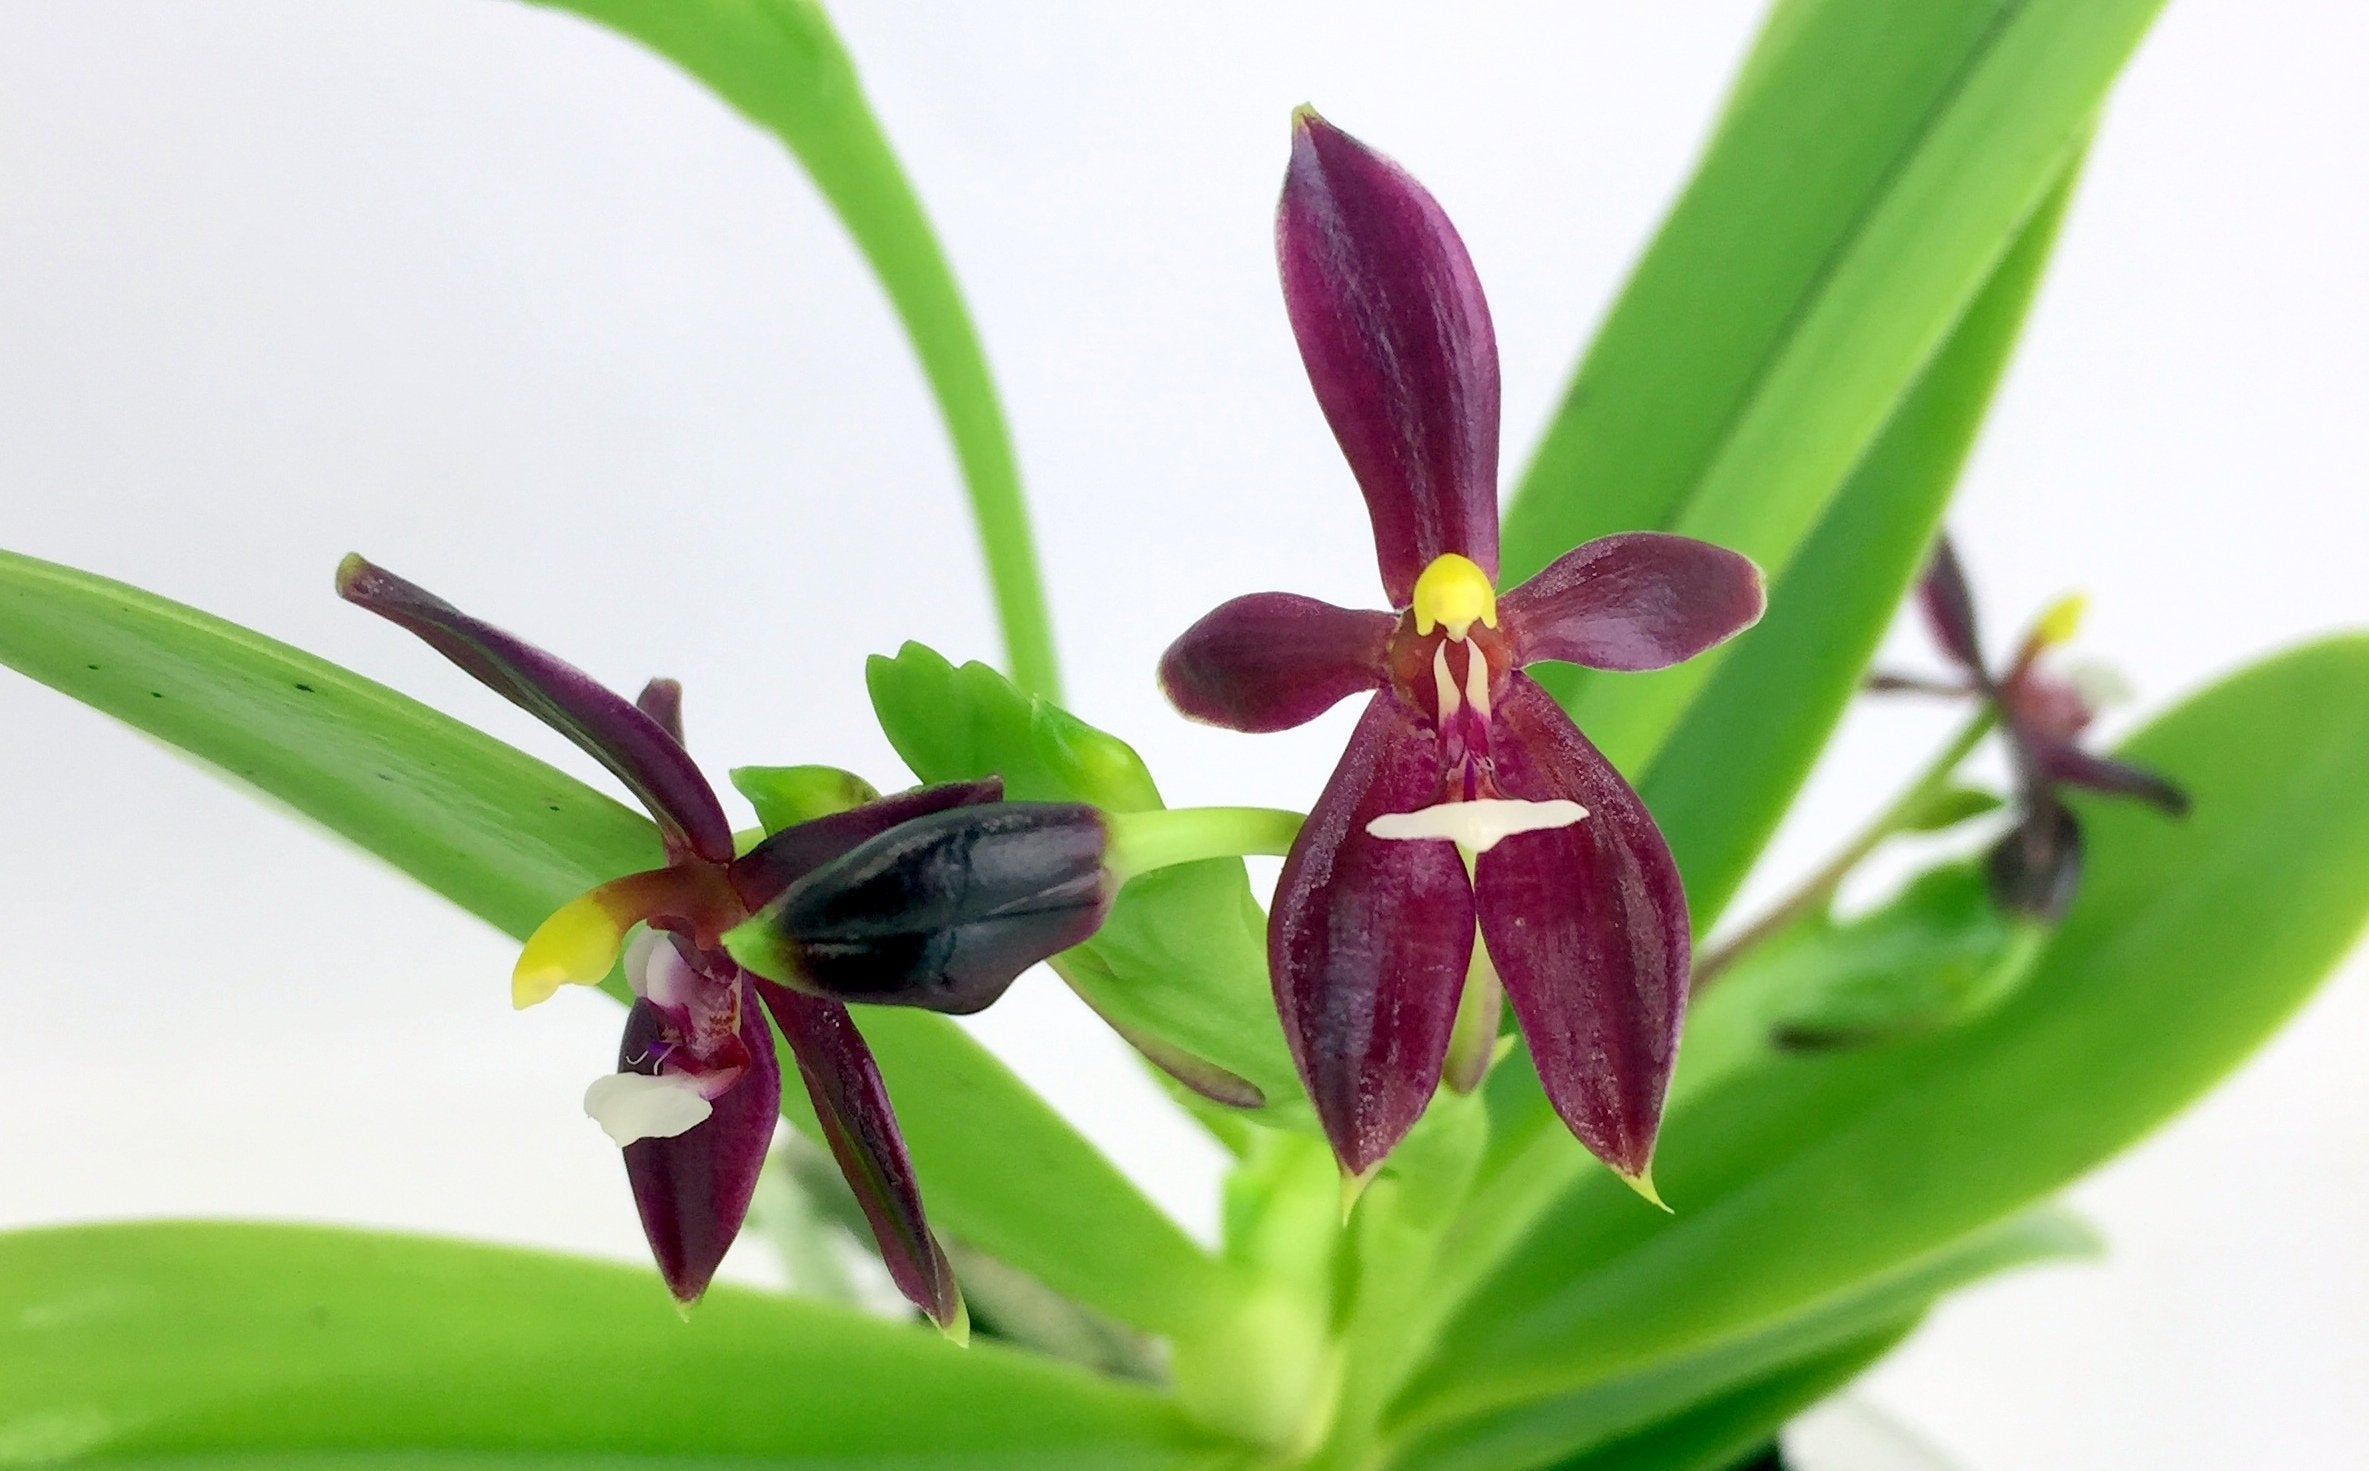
x=1640, y=600
x=1949, y=610
x=1587, y=926
x=760, y=874
x=1369, y=940
x=1274, y=660
x=1396, y=338
x=2035, y=868
x=944, y=911
x=2069, y=764
x=693, y=1190
x=635, y=747
x=852, y=1105
x=662, y=701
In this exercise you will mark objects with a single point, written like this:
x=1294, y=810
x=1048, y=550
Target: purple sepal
x=2036, y=867
x=943, y=911
x=662, y=701
x=693, y=1190
x=2063, y=762
x=1274, y=660
x=1948, y=604
x=613, y=732
x=852, y=1106
x=760, y=874
x=1397, y=341
x=1369, y=940
x=1639, y=600
x=1587, y=926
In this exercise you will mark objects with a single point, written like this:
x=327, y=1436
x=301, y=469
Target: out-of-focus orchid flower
x=935, y=897
x=1466, y=795
x=2034, y=869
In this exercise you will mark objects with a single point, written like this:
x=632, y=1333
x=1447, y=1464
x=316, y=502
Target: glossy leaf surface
x=1795, y=1177
x=1866, y=179
x=146, y=1342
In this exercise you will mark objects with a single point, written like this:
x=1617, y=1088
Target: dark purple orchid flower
x=1466, y=795
x=2034, y=869
x=935, y=897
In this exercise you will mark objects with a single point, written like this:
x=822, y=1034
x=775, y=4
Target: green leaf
x=163, y=1341
x=1546, y=1427
x=2187, y=945
x=491, y=828
x=1717, y=1436
x=780, y=64
x=1863, y=185
x=1731, y=766
x=511, y=839
x=1183, y=955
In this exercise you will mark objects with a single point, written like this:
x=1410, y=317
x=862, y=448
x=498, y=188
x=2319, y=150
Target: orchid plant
x=1444, y=1243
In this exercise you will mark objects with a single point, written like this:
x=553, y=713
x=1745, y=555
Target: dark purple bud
x=1949, y=610
x=1370, y=939
x=1397, y=342
x=760, y=874
x=1640, y=600
x=2035, y=868
x=1274, y=660
x=944, y=911
x=1588, y=928
x=851, y=1104
x=2069, y=765
x=693, y=1189
x=662, y=701
x=612, y=731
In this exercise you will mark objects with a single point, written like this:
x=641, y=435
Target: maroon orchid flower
x=1466, y=796
x=936, y=897
x=2034, y=869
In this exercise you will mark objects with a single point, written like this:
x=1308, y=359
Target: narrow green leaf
x=1861, y=188
x=1535, y=1424
x=781, y=65
x=1183, y=955
x=147, y=1342
x=491, y=828
x=511, y=839
x=2187, y=945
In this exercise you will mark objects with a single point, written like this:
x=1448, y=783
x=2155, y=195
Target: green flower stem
x=1143, y=841
x=1819, y=888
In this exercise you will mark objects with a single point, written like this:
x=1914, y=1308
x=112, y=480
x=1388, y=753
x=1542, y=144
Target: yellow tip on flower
x=1642, y=1183
x=1303, y=115
x=2061, y=621
x=575, y=946
x=1353, y=1189
x=958, y=1329
x=1454, y=593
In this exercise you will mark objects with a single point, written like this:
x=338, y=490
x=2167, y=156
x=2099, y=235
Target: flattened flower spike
x=1466, y=802
x=697, y=1091
x=2036, y=867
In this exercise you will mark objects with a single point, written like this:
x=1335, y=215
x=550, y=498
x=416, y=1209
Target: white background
x=522, y=313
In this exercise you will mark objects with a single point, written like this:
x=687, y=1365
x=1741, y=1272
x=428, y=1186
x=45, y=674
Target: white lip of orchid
x=631, y=1107
x=2100, y=685
x=1478, y=825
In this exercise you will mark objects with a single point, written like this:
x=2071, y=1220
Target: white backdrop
x=522, y=313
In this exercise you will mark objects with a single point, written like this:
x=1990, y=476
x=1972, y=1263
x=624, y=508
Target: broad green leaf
x=491, y=828
x=1719, y=1435
x=1864, y=183
x=1543, y=1427
x=1733, y=764
x=1728, y=770
x=2187, y=945
x=1183, y=955
x=146, y=1342
x=511, y=839
x=780, y=64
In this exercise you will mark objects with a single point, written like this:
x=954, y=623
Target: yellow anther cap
x=2061, y=621
x=575, y=946
x=1454, y=593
